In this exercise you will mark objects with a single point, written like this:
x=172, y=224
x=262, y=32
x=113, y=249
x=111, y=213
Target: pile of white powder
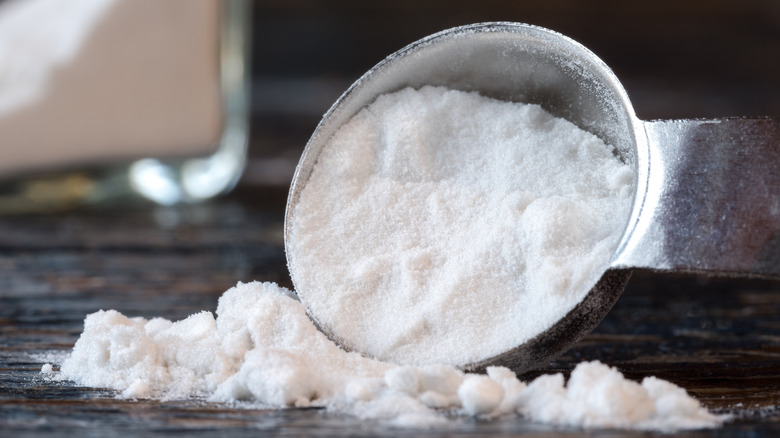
x=438, y=228
x=262, y=348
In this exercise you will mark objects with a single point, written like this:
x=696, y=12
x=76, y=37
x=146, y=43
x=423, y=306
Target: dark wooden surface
x=719, y=338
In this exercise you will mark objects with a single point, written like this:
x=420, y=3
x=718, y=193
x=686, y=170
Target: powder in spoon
x=440, y=226
x=263, y=349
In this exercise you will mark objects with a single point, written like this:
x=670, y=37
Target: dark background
x=676, y=59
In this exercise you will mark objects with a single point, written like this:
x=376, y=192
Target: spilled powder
x=438, y=227
x=444, y=226
x=262, y=348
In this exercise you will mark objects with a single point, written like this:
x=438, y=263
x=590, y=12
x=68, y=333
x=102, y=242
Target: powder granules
x=455, y=214
x=440, y=226
x=262, y=349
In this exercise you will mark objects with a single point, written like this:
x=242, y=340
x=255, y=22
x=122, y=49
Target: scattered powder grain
x=443, y=226
x=420, y=254
x=263, y=349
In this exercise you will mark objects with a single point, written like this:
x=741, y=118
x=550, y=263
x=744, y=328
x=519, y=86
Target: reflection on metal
x=712, y=202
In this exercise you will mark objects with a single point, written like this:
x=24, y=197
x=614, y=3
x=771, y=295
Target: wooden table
x=718, y=338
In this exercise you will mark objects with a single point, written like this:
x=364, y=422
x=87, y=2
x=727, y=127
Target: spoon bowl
x=523, y=63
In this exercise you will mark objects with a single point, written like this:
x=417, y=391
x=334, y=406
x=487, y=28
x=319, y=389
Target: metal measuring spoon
x=707, y=192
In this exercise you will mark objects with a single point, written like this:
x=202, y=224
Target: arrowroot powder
x=440, y=226
x=262, y=349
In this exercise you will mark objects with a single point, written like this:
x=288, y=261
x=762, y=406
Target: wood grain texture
x=718, y=338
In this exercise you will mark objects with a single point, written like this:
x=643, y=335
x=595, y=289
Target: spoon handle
x=708, y=198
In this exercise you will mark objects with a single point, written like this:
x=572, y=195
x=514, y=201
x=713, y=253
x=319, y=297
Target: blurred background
x=717, y=337
x=677, y=59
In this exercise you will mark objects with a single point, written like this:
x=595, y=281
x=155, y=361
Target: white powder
x=262, y=348
x=403, y=249
x=443, y=226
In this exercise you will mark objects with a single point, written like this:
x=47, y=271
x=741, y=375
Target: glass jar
x=109, y=100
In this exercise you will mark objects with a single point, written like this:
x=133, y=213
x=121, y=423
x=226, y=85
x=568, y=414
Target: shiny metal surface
x=707, y=192
x=712, y=199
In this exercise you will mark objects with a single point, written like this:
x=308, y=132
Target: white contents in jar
x=440, y=226
x=263, y=349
